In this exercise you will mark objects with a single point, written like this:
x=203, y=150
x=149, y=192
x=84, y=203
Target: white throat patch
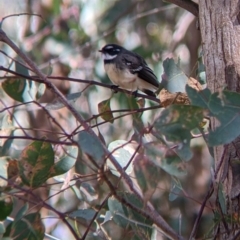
x=107, y=56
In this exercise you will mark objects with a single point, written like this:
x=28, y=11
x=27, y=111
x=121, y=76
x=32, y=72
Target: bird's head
x=111, y=51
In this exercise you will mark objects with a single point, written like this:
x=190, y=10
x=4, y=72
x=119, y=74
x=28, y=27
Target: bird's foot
x=114, y=88
x=134, y=93
x=149, y=93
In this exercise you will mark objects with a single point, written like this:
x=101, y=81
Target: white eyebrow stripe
x=109, y=47
x=107, y=56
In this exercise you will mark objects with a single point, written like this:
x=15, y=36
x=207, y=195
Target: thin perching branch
x=188, y=5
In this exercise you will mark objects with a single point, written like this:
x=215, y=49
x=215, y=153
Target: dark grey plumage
x=128, y=70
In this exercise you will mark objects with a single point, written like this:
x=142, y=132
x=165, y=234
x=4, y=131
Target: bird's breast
x=121, y=77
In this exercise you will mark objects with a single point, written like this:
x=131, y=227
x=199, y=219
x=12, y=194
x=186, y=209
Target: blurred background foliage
x=64, y=41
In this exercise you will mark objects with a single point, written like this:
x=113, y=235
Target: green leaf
x=7, y=125
x=35, y=163
x=135, y=217
x=113, y=231
x=7, y=231
x=198, y=98
x=29, y=227
x=104, y=109
x=88, y=192
x=177, y=117
x=7, y=128
x=23, y=90
x=201, y=72
x=125, y=216
x=21, y=212
x=222, y=198
x=173, y=166
x=166, y=159
x=132, y=104
x=2, y=229
x=175, y=79
x=123, y=153
x=235, y=166
x=91, y=146
x=39, y=91
x=175, y=123
x=175, y=189
x=86, y=214
x=17, y=89
x=4, y=161
x=66, y=162
x=147, y=176
x=20, y=68
x=118, y=213
x=6, y=206
x=225, y=106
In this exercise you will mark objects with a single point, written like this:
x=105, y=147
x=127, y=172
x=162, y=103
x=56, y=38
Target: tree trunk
x=220, y=31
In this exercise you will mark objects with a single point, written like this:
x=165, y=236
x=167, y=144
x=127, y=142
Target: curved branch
x=188, y=5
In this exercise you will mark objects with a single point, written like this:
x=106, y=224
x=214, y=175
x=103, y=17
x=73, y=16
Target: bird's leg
x=114, y=88
x=134, y=93
x=149, y=93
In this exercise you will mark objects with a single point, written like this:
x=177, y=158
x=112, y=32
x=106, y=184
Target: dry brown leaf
x=166, y=98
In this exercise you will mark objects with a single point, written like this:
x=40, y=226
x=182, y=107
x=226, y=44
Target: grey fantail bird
x=128, y=70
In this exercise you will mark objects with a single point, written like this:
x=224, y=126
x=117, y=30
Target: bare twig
x=95, y=216
x=39, y=139
x=19, y=14
x=197, y=221
x=89, y=82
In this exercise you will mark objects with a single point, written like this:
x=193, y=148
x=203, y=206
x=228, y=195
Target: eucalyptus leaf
x=144, y=229
x=175, y=79
x=66, y=162
x=6, y=206
x=104, y=110
x=122, y=152
x=201, y=72
x=173, y=165
x=35, y=163
x=21, y=212
x=198, y=98
x=118, y=213
x=86, y=214
x=175, y=123
x=91, y=146
x=88, y=192
x=29, y=227
x=2, y=229
x=225, y=106
x=175, y=189
x=147, y=176
x=4, y=161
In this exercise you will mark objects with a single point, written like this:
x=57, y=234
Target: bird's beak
x=100, y=50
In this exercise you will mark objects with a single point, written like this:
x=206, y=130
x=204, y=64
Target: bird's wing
x=137, y=65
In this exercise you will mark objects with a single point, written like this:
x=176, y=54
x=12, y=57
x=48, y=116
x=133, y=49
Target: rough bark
x=220, y=31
